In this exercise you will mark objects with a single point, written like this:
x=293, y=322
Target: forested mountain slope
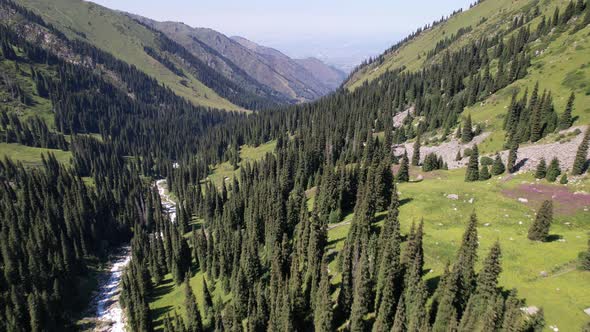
x=348, y=213
x=152, y=53
x=243, y=61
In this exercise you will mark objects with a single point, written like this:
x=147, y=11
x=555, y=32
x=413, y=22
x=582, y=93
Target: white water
x=167, y=203
x=108, y=308
x=109, y=314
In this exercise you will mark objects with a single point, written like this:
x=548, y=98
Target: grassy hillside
x=502, y=217
x=412, y=55
x=119, y=35
x=31, y=156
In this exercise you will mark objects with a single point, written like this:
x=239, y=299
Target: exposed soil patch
x=565, y=201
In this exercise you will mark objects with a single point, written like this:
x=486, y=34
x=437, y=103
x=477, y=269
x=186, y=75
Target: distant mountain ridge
x=242, y=60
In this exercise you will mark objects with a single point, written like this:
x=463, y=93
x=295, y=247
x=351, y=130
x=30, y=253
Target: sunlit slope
x=119, y=35
x=484, y=19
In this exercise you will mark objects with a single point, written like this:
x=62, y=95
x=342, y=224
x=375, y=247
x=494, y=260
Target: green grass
x=223, y=172
x=169, y=297
x=121, y=36
x=563, y=294
x=30, y=156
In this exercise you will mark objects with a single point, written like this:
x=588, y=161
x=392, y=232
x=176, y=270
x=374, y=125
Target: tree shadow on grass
x=553, y=238
x=161, y=290
x=405, y=201
x=432, y=284
x=158, y=315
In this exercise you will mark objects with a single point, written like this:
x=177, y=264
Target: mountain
x=331, y=76
x=446, y=187
x=238, y=59
x=153, y=53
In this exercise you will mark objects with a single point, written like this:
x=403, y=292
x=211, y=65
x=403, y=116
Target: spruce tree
x=484, y=174
x=498, y=166
x=563, y=179
x=363, y=296
x=554, y=170
x=193, y=314
x=539, y=229
x=485, y=294
x=512, y=158
x=416, y=152
x=403, y=174
x=399, y=322
x=458, y=157
x=323, y=315
x=472, y=173
x=566, y=120
x=467, y=134
x=579, y=166
x=541, y=171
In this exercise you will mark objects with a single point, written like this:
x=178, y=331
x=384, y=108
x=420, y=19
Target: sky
x=342, y=32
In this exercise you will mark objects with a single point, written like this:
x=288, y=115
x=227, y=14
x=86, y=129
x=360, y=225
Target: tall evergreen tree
x=403, y=174
x=472, y=173
x=580, y=165
x=467, y=134
x=485, y=294
x=541, y=171
x=539, y=229
x=512, y=158
x=323, y=315
x=193, y=314
x=498, y=166
x=363, y=294
x=554, y=170
x=416, y=152
x=566, y=120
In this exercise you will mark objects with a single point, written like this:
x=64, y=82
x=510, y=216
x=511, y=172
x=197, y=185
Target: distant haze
x=340, y=32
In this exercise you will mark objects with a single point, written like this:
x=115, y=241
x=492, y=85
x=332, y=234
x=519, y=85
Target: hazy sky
x=324, y=28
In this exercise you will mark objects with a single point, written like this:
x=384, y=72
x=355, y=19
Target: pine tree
x=566, y=120
x=498, y=166
x=403, y=174
x=389, y=284
x=485, y=294
x=554, y=171
x=472, y=173
x=539, y=229
x=467, y=134
x=193, y=314
x=512, y=158
x=323, y=315
x=484, y=174
x=563, y=179
x=579, y=166
x=541, y=171
x=361, y=304
x=416, y=152
x=399, y=322
x=458, y=157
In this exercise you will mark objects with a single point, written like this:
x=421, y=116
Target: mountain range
x=202, y=65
